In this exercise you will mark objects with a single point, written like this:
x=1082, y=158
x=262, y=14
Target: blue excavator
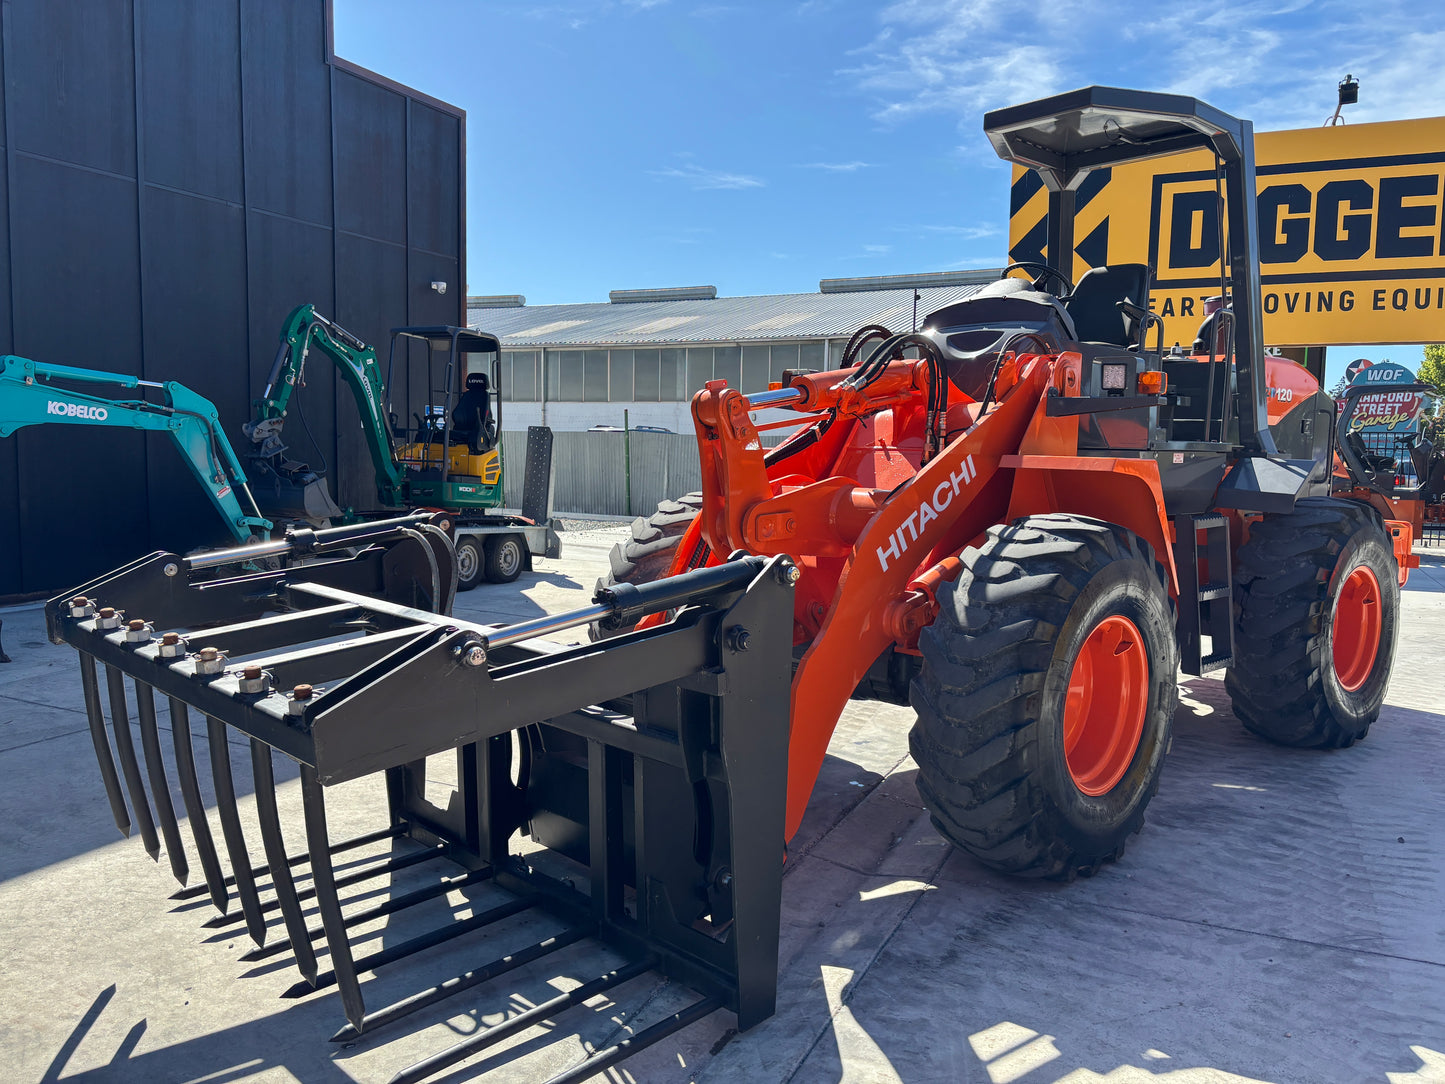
x=36, y=393
x=30, y=395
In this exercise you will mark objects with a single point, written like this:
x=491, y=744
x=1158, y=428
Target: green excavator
x=449, y=459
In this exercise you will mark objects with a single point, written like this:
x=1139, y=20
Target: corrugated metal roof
x=767, y=317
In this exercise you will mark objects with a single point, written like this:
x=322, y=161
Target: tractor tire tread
x=986, y=660
x=1282, y=648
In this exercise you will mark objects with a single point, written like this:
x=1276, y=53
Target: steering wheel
x=1042, y=272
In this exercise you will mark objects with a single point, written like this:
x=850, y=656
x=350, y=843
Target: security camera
x=439, y=287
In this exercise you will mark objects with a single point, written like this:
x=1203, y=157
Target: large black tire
x=647, y=555
x=506, y=558
x=469, y=562
x=993, y=769
x=1285, y=684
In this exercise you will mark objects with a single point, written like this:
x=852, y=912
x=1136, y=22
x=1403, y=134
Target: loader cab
x=445, y=408
x=1194, y=414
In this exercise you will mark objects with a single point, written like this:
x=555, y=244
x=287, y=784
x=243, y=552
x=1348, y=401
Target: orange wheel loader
x=1027, y=517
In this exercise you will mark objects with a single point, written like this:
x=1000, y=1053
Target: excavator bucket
x=630, y=792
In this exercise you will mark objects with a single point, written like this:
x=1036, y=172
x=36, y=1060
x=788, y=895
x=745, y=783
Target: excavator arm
x=28, y=397
x=357, y=365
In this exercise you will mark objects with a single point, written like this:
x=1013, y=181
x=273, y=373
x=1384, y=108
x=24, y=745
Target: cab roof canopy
x=441, y=336
x=1066, y=136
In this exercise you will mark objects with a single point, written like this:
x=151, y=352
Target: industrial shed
x=572, y=367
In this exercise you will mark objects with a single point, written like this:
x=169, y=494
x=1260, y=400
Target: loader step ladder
x=1206, y=594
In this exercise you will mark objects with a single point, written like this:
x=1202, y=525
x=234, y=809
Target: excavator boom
x=28, y=396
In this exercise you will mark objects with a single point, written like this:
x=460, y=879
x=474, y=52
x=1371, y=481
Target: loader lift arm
x=28, y=396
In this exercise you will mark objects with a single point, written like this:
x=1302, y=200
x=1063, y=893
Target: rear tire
x=648, y=554
x=1047, y=696
x=505, y=558
x=1317, y=615
x=469, y=562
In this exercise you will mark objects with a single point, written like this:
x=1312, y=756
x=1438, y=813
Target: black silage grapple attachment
x=633, y=789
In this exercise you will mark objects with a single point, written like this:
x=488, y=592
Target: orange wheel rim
x=1356, y=631
x=1105, y=705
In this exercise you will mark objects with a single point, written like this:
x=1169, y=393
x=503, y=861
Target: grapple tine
x=537, y=1014
x=275, y=846
x=465, y=981
x=391, y=865
x=605, y=1059
x=145, y=703
x=386, y=907
x=297, y=859
x=231, y=830
x=103, y=758
x=313, y=802
x=432, y=939
x=125, y=749
x=195, y=807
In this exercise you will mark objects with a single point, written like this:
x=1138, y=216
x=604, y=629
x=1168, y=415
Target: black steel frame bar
x=297, y=859
x=538, y=1014
x=603, y=1060
x=475, y=977
x=431, y=939
x=388, y=906
x=390, y=865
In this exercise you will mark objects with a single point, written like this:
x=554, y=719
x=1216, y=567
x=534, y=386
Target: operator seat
x=472, y=422
x=1093, y=305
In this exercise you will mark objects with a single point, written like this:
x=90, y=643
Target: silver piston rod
x=305, y=541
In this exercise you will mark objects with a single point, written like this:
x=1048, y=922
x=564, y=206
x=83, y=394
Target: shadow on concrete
x=295, y=1040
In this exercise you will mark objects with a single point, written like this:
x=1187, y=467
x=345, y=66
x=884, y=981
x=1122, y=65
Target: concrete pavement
x=1281, y=918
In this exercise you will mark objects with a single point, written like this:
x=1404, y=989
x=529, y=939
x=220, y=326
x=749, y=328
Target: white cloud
x=877, y=250
x=838, y=167
x=967, y=233
x=700, y=177
x=1273, y=61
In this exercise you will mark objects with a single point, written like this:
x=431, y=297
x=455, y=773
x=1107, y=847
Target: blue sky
x=761, y=146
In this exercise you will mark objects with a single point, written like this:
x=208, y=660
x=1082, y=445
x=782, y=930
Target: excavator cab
x=445, y=380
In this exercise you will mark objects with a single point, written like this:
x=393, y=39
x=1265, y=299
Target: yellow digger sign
x=1351, y=232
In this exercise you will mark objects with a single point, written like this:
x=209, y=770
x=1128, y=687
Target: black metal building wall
x=174, y=179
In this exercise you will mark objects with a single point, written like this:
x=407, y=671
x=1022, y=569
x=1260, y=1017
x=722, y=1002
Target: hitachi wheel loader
x=1024, y=519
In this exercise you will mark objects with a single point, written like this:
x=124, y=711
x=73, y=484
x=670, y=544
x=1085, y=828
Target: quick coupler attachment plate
x=623, y=797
